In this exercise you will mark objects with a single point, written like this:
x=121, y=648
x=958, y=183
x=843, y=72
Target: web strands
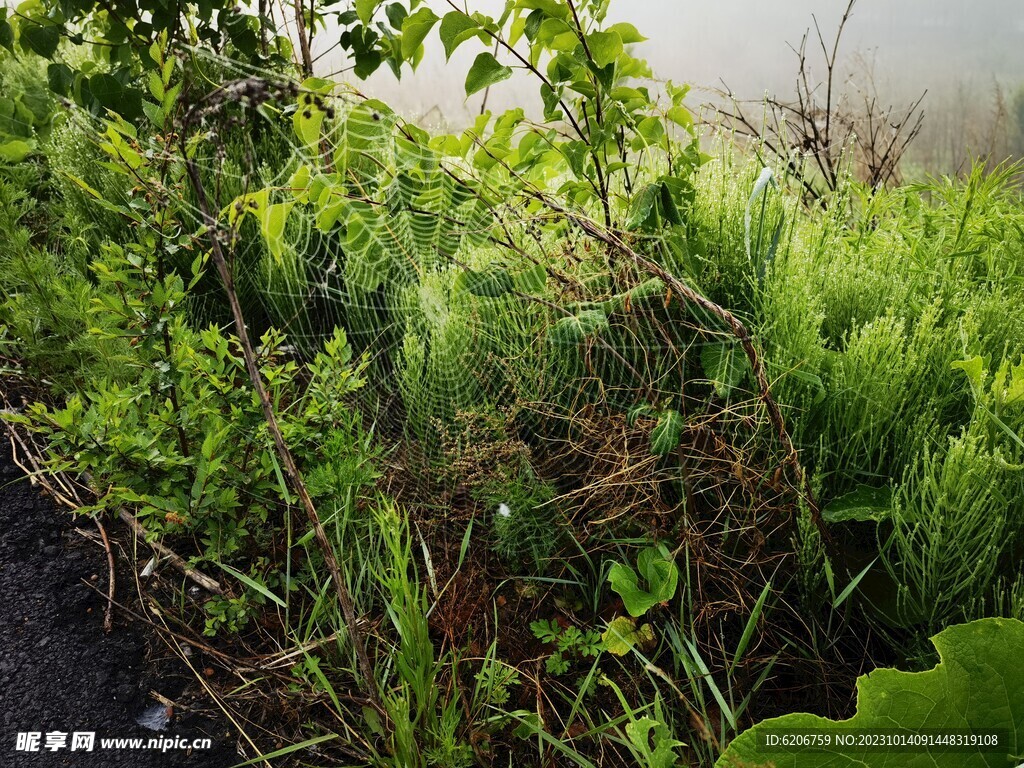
x=377, y=236
x=385, y=235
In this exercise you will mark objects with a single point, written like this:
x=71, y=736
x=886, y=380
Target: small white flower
x=504, y=510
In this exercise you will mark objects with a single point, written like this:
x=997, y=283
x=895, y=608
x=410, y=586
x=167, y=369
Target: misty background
x=969, y=57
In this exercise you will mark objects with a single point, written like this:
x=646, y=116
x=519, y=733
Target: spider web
x=470, y=292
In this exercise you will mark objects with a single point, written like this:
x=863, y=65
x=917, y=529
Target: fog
x=948, y=47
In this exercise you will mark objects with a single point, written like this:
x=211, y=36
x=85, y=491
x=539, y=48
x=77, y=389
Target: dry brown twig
x=284, y=453
x=108, y=615
x=821, y=128
x=165, y=553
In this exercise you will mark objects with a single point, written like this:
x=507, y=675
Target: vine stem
x=284, y=453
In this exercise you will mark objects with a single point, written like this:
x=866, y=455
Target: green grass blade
x=748, y=631
x=853, y=585
x=287, y=750
x=249, y=582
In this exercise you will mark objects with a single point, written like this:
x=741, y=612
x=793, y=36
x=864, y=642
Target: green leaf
x=570, y=331
x=329, y=213
x=367, y=63
x=486, y=71
x=16, y=150
x=622, y=636
x=456, y=28
x=154, y=114
x=645, y=731
x=557, y=9
x=365, y=9
x=546, y=630
x=605, y=47
x=813, y=382
x=626, y=32
x=107, y=90
x=638, y=410
x=317, y=85
x=491, y=284
x=253, y=584
x=642, y=206
x=748, y=630
x=975, y=370
x=725, y=366
x=531, y=280
x=625, y=582
x=660, y=571
x=977, y=686
x=298, y=183
x=681, y=116
x=85, y=187
x=40, y=40
x=272, y=220
x=864, y=503
x=307, y=122
x=649, y=132
x=854, y=582
x=367, y=265
x=669, y=209
x=1013, y=378
x=6, y=36
x=308, y=118
x=666, y=433
x=660, y=574
x=271, y=217
x=648, y=289
x=767, y=177
x=396, y=13
x=59, y=77
x=415, y=29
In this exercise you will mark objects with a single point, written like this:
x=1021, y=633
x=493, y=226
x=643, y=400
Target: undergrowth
x=565, y=510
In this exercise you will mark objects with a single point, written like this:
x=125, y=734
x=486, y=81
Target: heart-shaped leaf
x=486, y=71
x=40, y=40
x=456, y=28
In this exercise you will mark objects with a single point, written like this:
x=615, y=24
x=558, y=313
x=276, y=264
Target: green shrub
x=183, y=441
x=524, y=515
x=26, y=109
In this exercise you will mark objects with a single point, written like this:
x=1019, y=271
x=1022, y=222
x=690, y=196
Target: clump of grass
x=47, y=310
x=865, y=311
x=524, y=517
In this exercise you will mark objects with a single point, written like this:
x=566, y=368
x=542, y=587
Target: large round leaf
x=977, y=687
